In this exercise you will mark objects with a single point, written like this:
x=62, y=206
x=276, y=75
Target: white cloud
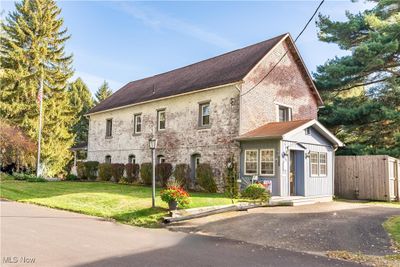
x=93, y=81
x=158, y=20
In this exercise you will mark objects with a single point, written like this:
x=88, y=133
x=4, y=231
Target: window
x=250, y=162
x=161, y=120
x=307, y=131
x=267, y=162
x=285, y=113
x=137, y=121
x=160, y=159
x=318, y=162
x=132, y=159
x=107, y=159
x=314, y=163
x=204, y=114
x=322, y=164
x=109, y=128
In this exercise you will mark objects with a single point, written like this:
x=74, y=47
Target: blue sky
x=124, y=41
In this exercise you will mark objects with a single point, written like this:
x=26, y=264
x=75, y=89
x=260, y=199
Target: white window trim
x=326, y=164
x=273, y=162
x=319, y=164
x=278, y=104
x=245, y=160
x=159, y=121
x=135, y=116
x=202, y=114
x=311, y=173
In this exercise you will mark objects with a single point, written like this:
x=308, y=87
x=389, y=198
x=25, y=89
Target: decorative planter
x=173, y=205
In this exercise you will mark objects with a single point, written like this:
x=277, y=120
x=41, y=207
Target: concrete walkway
x=313, y=229
x=57, y=238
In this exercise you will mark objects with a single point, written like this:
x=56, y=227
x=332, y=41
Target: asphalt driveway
x=38, y=236
x=311, y=228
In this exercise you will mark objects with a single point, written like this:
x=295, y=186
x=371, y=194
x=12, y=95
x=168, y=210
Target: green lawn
x=129, y=204
x=392, y=226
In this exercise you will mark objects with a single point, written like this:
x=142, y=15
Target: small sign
x=268, y=185
x=254, y=178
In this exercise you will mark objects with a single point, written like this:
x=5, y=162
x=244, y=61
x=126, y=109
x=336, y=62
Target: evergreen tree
x=31, y=48
x=81, y=101
x=362, y=90
x=103, y=92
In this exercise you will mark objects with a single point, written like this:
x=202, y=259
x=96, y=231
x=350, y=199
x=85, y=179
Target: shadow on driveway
x=355, y=230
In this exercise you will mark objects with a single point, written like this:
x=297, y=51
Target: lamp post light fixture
x=152, y=146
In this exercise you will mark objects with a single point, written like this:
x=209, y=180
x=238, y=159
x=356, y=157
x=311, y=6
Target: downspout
x=335, y=147
x=240, y=108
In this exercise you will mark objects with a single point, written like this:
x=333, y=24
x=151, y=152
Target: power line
x=298, y=36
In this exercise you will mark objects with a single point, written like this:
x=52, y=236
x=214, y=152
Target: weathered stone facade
x=231, y=115
x=182, y=136
x=287, y=84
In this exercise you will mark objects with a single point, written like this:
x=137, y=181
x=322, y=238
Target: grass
x=392, y=226
x=130, y=204
x=393, y=204
x=368, y=260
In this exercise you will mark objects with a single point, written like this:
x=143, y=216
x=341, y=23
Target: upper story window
x=107, y=159
x=161, y=159
x=285, y=113
x=161, y=119
x=109, y=128
x=250, y=162
x=137, y=123
x=131, y=159
x=204, y=119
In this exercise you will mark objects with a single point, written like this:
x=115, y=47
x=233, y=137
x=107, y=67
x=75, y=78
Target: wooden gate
x=367, y=177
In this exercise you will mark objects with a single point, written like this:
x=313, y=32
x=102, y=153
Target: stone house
x=257, y=104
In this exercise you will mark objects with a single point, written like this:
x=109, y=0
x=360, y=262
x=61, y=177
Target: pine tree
x=103, y=92
x=362, y=90
x=81, y=101
x=31, y=48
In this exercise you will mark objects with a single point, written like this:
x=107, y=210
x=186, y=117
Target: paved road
x=310, y=228
x=58, y=238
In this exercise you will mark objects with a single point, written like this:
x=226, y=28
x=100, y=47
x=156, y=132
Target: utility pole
x=40, y=97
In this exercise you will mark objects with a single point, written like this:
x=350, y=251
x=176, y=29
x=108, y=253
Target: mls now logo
x=10, y=260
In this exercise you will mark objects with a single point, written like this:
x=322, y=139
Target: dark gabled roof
x=224, y=69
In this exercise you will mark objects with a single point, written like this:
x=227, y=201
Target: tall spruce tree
x=81, y=101
x=31, y=47
x=362, y=90
x=103, y=92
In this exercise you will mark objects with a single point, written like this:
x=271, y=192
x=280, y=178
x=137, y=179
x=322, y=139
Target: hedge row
x=129, y=173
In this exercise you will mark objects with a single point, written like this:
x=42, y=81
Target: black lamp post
x=152, y=146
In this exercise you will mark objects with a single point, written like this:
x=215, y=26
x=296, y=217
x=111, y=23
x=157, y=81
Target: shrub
x=105, y=172
x=36, y=179
x=117, y=171
x=28, y=177
x=256, y=192
x=71, y=177
x=163, y=172
x=91, y=168
x=80, y=169
x=205, y=177
x=175, y=193
x=146, y=172
x=182, y=175
x=132, y=172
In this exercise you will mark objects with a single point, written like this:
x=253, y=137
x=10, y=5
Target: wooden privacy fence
x=367, y=177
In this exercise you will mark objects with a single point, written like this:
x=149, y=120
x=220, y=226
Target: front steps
x=298, y=200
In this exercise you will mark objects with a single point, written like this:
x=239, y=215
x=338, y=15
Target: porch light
x=308, y=154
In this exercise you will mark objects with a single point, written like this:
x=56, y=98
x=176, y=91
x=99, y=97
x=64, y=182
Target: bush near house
x=28, y=177
x=256, y=192
x=80, y=169
x=71, y=177
x=163, y=173
x=132, y=172
x=146, y=172
x=117, y=171
x=105, y=172
x=182, y=175
x=91, y=169
x=205, y=177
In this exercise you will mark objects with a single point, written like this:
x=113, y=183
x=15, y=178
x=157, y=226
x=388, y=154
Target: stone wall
x=182, y=136
x=286, y=84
